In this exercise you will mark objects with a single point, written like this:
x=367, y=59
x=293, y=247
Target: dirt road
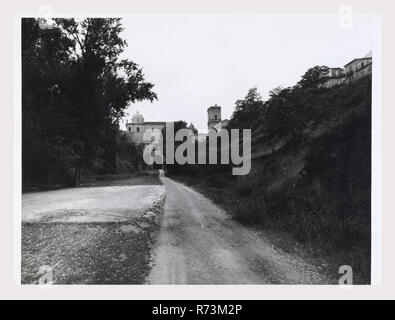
x=199, y=243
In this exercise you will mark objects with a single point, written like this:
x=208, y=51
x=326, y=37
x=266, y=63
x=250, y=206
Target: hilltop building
x=355, y=69
x=358, y=68
x=136, y=128
x=334, y=77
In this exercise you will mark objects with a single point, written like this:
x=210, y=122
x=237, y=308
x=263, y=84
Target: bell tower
x=214, y=116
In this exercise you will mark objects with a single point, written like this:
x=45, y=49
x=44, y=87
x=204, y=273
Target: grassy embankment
x=310, y=191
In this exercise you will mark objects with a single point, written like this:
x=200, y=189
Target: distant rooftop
x=367, y=56
x=356, y=60
x=155, y=122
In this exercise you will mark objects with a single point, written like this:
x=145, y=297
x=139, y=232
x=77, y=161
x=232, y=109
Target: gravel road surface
x=200, y=244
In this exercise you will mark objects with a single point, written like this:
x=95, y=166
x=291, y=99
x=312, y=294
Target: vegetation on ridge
x=311, y=169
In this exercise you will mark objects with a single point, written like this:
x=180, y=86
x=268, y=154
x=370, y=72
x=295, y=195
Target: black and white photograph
x=191, y=149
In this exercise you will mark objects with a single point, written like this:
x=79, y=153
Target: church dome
x=137, y=118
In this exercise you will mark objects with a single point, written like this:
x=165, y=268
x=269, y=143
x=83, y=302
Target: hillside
x=310, y=174
x=317, y=186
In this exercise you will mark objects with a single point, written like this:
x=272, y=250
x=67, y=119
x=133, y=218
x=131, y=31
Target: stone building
x=214, y=120
x=355, y=69
x=136, y=128
x=334, y=77
x=358, y=68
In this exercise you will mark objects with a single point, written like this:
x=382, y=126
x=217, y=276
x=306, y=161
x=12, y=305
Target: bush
x=244, y=188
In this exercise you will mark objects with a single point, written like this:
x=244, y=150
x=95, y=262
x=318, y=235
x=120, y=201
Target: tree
x=107, y=84
x=247, y=111
x=284, y=112
x=173, y=168
x=314, y=77
x=47, y=154
x=73, y=76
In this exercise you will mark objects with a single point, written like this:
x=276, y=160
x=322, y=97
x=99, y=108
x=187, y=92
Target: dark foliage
x=316, y=186
x=74, y=91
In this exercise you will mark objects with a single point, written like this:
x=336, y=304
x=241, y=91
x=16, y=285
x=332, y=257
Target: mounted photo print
x=199, y=149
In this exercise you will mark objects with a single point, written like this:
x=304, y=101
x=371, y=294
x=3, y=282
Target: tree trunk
x=77, y=175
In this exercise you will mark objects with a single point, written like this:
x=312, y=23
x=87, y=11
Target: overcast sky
x=196, y=61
